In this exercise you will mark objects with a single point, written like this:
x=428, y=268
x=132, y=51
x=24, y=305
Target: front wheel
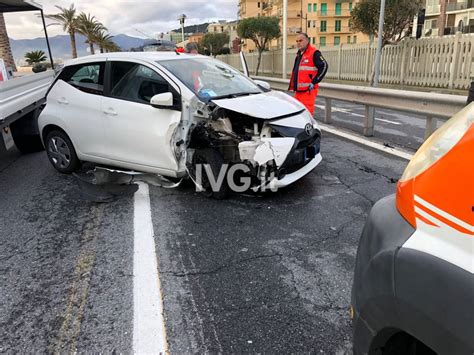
x=214, y=159
x=61, y=152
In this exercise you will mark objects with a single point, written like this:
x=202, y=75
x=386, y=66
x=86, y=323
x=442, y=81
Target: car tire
x=215, y=160
x=28, y=144
x=61, y=152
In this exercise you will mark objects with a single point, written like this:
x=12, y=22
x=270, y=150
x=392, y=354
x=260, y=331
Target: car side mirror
x=263, y=84
x=164, y=100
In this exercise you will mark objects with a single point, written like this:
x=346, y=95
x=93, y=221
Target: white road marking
x=396, y=152
x=149, y=332
x=344, y=110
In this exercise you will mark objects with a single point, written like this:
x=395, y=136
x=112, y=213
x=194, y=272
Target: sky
x=140, y=18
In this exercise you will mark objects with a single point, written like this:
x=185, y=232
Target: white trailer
x=21, y=99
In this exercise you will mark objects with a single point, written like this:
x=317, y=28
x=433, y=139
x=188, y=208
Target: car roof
x=147, y=56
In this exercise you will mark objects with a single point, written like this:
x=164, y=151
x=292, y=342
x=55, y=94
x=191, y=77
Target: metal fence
x=444, y=62
x=431, y=106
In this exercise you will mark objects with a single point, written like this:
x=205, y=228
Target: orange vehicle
x=413, y=290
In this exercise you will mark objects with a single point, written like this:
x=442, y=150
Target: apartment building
x=225, y=27
x=446, y=17
x=325, y=21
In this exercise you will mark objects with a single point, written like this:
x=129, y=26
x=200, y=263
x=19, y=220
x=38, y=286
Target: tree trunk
x=5, y=48
x=72, y=37
x=442, y=18
x=91, y=46
x=101, y=49
x=260, y=51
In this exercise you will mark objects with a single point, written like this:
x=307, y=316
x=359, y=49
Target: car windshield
x=211, y=79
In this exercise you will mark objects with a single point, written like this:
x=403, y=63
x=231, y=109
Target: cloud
x=127, y=16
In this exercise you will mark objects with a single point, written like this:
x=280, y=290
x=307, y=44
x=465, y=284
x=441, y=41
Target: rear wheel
x=61, y=152
x=28, y=144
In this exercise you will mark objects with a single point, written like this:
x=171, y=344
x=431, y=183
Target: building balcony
x=453, y=30
x=294, y=30
x=332, y=13
x=460, y=5
x=332, y=30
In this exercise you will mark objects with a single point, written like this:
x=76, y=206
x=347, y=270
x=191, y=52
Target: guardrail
x=432, y=106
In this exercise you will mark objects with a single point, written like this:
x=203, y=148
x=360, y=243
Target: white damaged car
x=168, y=114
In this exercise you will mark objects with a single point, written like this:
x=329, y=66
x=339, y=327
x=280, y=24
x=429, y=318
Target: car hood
x=268, y=105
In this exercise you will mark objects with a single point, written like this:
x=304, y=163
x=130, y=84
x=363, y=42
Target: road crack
x=222, y=267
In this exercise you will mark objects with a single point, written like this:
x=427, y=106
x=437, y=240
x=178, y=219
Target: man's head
x=302, y=40
x=192, y=48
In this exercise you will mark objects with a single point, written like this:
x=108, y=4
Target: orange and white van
x=413, y=290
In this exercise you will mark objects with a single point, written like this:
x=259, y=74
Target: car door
x=136, y=132
x=76, y=99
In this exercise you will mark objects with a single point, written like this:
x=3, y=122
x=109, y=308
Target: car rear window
x=88, y=77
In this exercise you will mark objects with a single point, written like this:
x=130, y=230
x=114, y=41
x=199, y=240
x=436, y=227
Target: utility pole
x=285, y=33
x=378, y=55
x=181, y=21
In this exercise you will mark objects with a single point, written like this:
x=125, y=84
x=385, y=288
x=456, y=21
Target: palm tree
x=89, y=27
x=34, y=57
x=5, y=49
x=67, y=19
x=104, y=41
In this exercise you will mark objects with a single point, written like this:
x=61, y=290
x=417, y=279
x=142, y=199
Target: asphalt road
x=393, y=127
x=253, y=273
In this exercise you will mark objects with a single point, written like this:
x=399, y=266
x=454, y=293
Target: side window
x=85, y=77
x=136, y=82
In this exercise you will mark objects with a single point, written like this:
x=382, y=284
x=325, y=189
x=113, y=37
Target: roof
x=19, y=5
x=147, y=56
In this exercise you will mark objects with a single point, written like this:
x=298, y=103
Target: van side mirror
x=164, y=100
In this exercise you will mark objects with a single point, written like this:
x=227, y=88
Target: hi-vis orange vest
x=306, y=71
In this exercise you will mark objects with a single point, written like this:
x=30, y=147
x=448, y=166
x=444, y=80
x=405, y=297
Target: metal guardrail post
x=431, y=125
x=328, y=111
x=369, y=121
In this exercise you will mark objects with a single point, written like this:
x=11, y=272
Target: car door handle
x=110, y=112
x=63, y=101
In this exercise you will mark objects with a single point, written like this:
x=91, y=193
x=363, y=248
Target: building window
x=314, y=40
x=338, y=25
x=350, y=7
x=309, y=7
x=324, y=9
x=337, y=40
x=348, y=39
x=338, y=9
x=355, y=39
x=258, y=5
x=315, y=7
x=322, y=41
x=323, y=26
x=309, y=24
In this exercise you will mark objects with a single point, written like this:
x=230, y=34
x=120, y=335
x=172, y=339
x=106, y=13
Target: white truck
x=22, y=98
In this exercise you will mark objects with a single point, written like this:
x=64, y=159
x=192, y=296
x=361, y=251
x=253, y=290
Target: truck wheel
x=214, y=159
x=28, y=144
x=61, y=152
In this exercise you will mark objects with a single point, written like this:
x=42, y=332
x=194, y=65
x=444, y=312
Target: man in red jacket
x=309, y=69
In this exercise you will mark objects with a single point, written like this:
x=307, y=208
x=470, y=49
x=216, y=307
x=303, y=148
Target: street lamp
x=181, y=21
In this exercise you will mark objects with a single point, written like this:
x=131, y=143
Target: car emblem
x=308, y=129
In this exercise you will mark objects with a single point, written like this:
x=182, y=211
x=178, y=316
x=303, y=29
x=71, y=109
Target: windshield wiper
x=233, y=96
